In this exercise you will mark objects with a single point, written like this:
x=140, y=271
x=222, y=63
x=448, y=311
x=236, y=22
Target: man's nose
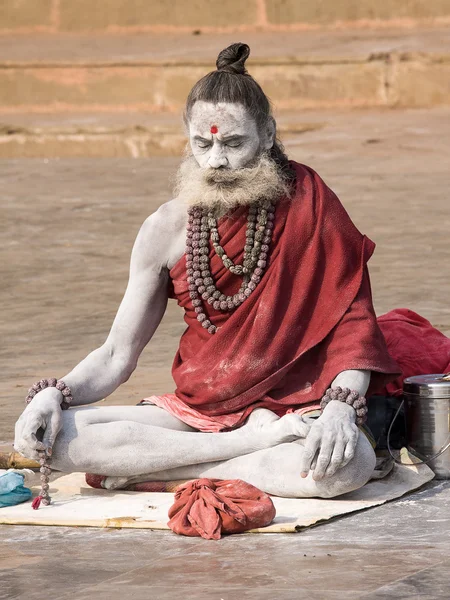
x=217, y=159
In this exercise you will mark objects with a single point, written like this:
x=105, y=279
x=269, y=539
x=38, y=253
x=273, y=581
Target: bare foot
x=275, y=430
x=120, y=483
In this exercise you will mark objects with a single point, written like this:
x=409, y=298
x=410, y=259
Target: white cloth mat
x=76, y=504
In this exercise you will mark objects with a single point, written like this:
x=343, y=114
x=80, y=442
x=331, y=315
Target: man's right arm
x=110, y=365
x=139, y=314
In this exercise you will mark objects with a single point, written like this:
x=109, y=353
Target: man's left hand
x=331, y=442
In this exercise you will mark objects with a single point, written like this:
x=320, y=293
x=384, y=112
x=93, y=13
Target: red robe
x=310, y=317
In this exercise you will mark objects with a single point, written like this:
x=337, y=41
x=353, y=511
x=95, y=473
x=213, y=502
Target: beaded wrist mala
x=201, y=227
x=45, y=383
x=45, y=455
x=352, y=398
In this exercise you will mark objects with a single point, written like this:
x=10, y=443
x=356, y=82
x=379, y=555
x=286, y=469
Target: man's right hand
x=43, y=412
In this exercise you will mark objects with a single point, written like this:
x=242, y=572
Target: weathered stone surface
x=184, y=48
x=394, y=552
x=324, y=85
x=176, y=82
x=82, y=86
x=421, y=83
x=153, y=88
x=330, y=11
x=155, y=73
x=124, y=145
x=16, y=14
x=85, y=15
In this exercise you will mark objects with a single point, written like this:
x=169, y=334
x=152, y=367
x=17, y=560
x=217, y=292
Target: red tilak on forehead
x=214, y=129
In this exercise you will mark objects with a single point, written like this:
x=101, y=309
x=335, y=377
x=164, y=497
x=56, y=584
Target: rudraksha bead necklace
x=45, y=457
x=200, y=228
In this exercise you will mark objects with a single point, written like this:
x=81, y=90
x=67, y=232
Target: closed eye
x=202, y=142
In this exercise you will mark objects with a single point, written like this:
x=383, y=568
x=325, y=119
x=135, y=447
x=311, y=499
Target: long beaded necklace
x=201, y=227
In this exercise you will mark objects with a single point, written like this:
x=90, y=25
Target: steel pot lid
x=436, y=385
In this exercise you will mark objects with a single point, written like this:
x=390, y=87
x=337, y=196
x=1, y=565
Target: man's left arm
x=354, y=380
x=331, y=442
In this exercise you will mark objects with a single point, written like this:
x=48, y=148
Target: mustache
x=222, y=178
x=229, y=178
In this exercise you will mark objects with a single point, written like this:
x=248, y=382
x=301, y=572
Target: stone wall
x=53, y=16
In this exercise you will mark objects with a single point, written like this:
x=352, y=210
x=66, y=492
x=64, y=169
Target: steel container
x=427, y=416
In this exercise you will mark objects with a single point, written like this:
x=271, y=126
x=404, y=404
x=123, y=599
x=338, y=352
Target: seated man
x=272, y=277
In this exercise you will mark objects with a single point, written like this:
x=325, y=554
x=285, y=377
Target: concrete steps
x=123, y=94
x=154, y=73
x=212, y=15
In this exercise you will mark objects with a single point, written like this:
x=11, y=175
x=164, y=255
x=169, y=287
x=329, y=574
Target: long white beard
x=222, y=189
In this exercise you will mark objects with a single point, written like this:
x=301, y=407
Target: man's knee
x=364, y=461
x=354, y=475
x=77, y=444
x=277, y=472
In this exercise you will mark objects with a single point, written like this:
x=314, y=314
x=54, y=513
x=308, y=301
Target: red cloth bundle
x=209, y=507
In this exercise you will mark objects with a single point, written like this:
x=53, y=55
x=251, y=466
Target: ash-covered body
x=235, y=163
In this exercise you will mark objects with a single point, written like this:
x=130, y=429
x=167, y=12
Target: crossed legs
x=132, y=444
x=275, y=471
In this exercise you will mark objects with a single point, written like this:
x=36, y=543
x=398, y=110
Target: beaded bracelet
x=45, y=455
x=350, y=397
x=52, y=382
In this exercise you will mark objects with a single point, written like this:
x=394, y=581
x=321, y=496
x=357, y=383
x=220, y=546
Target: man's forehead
x=225, y=117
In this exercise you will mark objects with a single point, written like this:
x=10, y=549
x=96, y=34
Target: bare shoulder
x=161, y=239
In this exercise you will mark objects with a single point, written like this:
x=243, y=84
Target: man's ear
x=270, y=133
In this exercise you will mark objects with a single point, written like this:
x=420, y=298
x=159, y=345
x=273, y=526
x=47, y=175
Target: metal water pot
x=427, y=416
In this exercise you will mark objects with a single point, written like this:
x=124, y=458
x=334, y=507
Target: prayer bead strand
x=202, y=227
x=45, y=455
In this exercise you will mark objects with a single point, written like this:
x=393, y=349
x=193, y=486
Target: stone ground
x=399, y=551
x=90, y=48
x=67, y=231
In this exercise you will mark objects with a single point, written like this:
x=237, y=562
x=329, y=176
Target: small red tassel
x=36, y=503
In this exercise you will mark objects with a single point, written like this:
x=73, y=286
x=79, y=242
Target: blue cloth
x=12, y=490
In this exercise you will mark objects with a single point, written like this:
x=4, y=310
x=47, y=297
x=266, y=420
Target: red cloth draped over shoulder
x=310, y=317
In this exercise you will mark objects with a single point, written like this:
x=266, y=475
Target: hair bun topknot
x=232, y=59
